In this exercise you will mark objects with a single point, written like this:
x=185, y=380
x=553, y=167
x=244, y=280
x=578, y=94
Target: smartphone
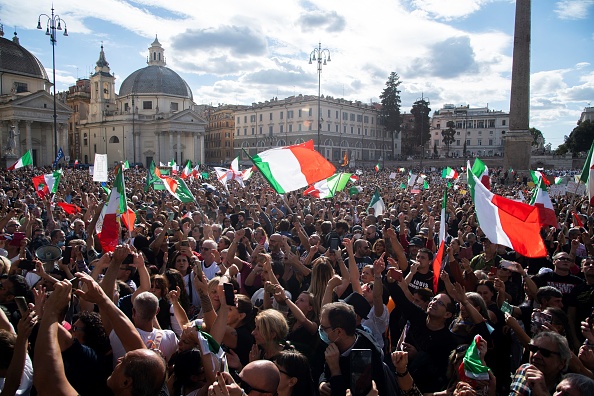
x=170, y=216
x=66, y=255
x=395, y=274
x=229, y=294
x=506, y=263
x=507, y=308
x=184, y=243
x=538, y=319
x=493, y=271
x=334, y=243
x=361, y=371
x=27, y=265
x=21, y=305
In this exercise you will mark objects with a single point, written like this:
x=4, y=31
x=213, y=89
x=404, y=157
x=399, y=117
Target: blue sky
x=239, y=52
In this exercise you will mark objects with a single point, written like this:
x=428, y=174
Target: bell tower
x=156, y=54
x=102, y=89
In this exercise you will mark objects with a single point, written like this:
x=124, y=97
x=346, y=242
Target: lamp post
x=54, y=22
x=322, y=56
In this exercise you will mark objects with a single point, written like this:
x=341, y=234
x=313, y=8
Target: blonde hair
x=272, y=325
x=321, y=273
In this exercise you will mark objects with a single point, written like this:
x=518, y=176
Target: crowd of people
x=248, y=292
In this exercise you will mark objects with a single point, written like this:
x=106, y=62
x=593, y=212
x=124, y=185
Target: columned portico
x=28, y=139
x=178, y=157
x=171, y=153
x=137, y=153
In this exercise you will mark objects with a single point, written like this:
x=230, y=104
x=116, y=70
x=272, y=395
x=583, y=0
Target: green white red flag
x=542, y=200
x=449, y=173
x=47, y=184
x=507, y=222
x=178, y=188
x=187, y=171
x=328, y=187
x=438, y=260
x=377, y=167
x=292, y=167
x=537, y=175
x=480, y=170
x=25, y=160
x=377, y=204
x=114, y=215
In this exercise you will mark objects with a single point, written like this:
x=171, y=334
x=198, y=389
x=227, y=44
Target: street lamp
x=54, y=22
x=322, y=56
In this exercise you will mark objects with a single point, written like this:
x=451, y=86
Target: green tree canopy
x=420, y=111
x=449, y=135
x=390, y=113
x=580, y=138
x=536, y=136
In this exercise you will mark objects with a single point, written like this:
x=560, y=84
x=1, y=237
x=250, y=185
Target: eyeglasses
x=437, y=301
x=325, y=327
x=77, y=328
x=543, y=351
x=247, y=388
x=282, y=371
x=563, y=258
x=204, y=249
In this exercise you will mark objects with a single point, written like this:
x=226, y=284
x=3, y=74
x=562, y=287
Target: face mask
x=61, y=243
x=324, y=335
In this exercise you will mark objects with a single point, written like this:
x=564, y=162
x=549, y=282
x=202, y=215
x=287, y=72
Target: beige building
x=27, y=107
x=345, y=126
x=482, y=129
x=220, y=134
x=152, y=118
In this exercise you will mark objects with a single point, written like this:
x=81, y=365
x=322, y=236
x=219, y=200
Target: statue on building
x=11, y=143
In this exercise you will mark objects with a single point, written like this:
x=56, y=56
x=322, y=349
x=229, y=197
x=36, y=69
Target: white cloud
x=449, y=9
x=573, y=9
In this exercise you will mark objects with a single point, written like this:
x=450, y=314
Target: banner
x=393, y=175
x=100, y=173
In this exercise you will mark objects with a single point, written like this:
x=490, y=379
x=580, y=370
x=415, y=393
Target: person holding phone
x=338, y=329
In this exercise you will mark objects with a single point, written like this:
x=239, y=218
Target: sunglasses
x=247, y=388
x=543, y=351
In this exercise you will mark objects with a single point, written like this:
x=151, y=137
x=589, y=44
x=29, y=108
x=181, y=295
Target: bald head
x=261, y=374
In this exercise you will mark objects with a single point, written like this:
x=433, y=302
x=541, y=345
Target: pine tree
x=449, y=135
x=390, y=113
x=420, y=111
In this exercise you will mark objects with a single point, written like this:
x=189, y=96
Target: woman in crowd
x=269, y=334
x=295, y=374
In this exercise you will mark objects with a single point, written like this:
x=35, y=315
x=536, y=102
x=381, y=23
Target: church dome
x=17, y=60
x=155, y=80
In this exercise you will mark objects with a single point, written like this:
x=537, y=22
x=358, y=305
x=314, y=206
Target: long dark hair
x=175, y=278
x=245, y=306
x=297, y=365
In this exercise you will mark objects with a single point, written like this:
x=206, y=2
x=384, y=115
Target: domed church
x=152, y=118
x=27, y=107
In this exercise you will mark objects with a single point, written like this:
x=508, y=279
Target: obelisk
x=518, y=141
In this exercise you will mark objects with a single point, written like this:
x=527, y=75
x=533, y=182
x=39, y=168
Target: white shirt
x=377, y=324
x=167, y=346
x=26, y=379
x=211, y=271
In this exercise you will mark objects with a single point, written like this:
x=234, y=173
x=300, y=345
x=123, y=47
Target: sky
x=239, y=52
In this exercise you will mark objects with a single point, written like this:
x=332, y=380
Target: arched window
x=114, y=139
x=154, y=56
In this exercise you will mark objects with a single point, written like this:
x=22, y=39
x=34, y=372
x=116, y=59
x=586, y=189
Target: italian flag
x=328, y=187
x=377, y=203
x=542, y=200
x=114, y=214
x=507, y=222
x=355, y=190
x=354, y=178
x=178, y=188
x=412, y=179
x=558, y=180
x=472, y=368
x=126, y=165
x=425, y=185
x=187, y=171
x=25, y=160
x=47, y=184
x=438, y=260
x=480, y=170
x=587, y=175
x=377, y=167
x=69, y=208
x=292, y=167
x=536, y=175
x=75, y=163
x=449, y=173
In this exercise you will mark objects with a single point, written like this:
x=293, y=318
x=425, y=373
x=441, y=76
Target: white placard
x=576, y=188
x=91, y=170
x=393, y=175
x=100, y=172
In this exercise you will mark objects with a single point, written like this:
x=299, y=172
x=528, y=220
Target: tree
x=580, y=139
x=537, y=137
x=449, y=135
x=390, y=113
x=422, y=135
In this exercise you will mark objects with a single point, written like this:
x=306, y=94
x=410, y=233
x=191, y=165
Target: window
x=337, y=129
x=328, y=127
x=310, y=125
x=270, y=130
x=359, y=118
x=336, y=114
x=253, y=118
x=458, y=142
x=329, y=113
x=480, y=124
x=490, y=142
x=290, y=113
x=459, y=124
x=299, y=113
x=436, y=142
x=244, y=131
x=358, y=131
x=281, y=127
x=126, y=107
x=365, y=131
x=438, y=126
x=490, y=132
x=281, y=115
x=344, y=129
x=114, y=139
x=260, y=130
x=503, y=122
x=270, y=116
x=345, y=116
x=353, y=130
x=20, y=87
x=457, y=133
x=237, y=131
x=491, y=123
x=366, y=119
x=147, y=104
x=290, y=127
x=468, y=142
x=260, y=116
x=238, y=119
x=480, y=132
x=253, y=131
x=173, y=106
x=480, y=142
x=245, y=119
x=352, y=116
x=299, y=127
x=310, y=113
x=85, y=140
